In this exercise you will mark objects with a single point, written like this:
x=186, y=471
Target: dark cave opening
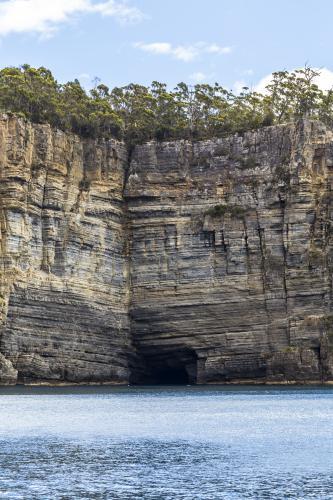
x=167, y=368
x=170, y=376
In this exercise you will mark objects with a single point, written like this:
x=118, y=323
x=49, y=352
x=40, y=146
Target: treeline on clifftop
x=137, y=113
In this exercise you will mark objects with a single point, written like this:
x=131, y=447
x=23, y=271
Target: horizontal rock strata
x=200, y=262
x=231, y=254
x=64, y=270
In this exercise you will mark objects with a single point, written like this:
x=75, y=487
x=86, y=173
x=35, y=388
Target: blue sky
x=234, y=42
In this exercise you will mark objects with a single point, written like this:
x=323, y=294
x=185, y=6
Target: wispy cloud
x=186, y=53
x=84, y=76
x=324, y=80
x=201, y=77
x=45, y=16
x=198, y=77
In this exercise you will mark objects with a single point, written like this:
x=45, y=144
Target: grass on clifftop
x=136, y=113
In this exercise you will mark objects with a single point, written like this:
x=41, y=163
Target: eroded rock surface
x=231, y=254
x=203, y=262
x=64, y=294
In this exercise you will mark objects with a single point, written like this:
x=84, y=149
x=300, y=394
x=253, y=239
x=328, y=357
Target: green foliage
x=235, y=211
x=295, y=95
x=35, y=94
x=290, y=349
x=217, y=211
x=137, y=113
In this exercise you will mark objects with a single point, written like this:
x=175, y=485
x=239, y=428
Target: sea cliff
x=205, y=262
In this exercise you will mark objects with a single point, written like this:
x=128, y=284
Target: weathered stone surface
x=242, y=291
x=63, y=268
x=8, y=372
x=204, y=262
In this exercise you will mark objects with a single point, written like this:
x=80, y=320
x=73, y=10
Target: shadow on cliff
x=165, y=367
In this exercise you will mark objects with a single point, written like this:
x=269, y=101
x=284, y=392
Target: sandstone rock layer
x=203, y=262
x=64, y=271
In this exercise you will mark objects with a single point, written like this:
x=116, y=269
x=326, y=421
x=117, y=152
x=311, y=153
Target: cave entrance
x=169, y=368
x=170, y=376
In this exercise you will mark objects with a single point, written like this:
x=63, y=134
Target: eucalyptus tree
x=137, y=113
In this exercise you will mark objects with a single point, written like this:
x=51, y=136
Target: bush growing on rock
x=235, y=211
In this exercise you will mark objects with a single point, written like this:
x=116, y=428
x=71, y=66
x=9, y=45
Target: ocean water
x=166, y=443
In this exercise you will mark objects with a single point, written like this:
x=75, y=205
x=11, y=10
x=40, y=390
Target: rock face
x=191, y=262
x=64, y=270
x=231, y=255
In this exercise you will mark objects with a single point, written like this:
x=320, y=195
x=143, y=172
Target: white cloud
x=121, y=11
x=155, y=48
x=261, y=86
x=184, y=53
x=213, y=48
x=324, y=80
x=44, y=16
x=238, y=86
x=198, y=77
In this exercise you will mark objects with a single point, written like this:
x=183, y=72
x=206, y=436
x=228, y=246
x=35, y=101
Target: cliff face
x=64, y=270
x=243, y=290
x=199, y=262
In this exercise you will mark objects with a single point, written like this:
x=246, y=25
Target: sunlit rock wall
x=213, y=257
x=64, y=269
x=231, y=254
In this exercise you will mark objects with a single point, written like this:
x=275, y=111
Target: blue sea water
x=157, y=443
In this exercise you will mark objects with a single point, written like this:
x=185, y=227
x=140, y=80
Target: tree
x=138, y=113
x=294, y=95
